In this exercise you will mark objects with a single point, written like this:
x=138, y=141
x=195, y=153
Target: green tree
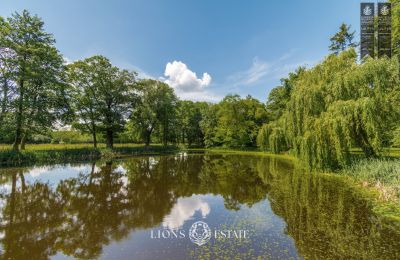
x=35, y=67
x=6, y=85
x=103, y=96
x=239, y=121
x=342, y=40
x=156, y=108
x=84, y=102
x=190, y=116
x=337, y=105
x=280, y=96
x=209, y=123
x=396, y=27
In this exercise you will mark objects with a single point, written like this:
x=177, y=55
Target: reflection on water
x=106, y=210
x=183, y=210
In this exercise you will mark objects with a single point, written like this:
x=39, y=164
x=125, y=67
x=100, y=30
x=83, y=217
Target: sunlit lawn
x=391, y=152
x=41, y=147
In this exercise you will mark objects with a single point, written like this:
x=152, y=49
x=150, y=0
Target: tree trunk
x=23, y=141
x=148, y=138
x=110, y=139
x=5, y=100
x=94, y=135
x=94, y=140
x=165, y=133
x=19, y=118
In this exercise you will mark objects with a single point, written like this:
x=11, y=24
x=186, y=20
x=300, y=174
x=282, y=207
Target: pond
x=187, y=206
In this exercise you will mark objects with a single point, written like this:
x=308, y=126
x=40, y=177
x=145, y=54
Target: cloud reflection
x=183, y=210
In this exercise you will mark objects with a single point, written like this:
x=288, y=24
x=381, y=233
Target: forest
x=319, y=114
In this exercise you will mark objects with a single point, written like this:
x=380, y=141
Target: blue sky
x=232, y=46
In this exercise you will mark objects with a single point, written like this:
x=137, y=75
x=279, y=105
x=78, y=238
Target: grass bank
x=382, y=178
x=58, y=153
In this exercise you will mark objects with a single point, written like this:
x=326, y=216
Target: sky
x=204, y=49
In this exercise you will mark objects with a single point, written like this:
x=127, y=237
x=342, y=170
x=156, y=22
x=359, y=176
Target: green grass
x=41, y=147
x=383, y=174
x=57, y=153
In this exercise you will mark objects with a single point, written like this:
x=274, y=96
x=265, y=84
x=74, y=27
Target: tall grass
x=383, y=174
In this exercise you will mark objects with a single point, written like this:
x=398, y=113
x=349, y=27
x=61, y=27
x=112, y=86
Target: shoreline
x=383, y=206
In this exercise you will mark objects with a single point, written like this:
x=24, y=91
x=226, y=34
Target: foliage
x=190, y=115
x=234, y=122
x=272, y=137
x=396, y=26
x=340, y=104
x=396, y=138
x=32, y=68
x=342, y=40
x=155, y=109
x=69, y=137
x=102, y=96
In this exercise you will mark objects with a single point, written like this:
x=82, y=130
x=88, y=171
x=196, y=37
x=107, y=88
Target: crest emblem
x=200, y=233
x=367, y=10
x=385, y=10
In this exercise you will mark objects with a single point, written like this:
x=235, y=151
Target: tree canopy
x=335, y=106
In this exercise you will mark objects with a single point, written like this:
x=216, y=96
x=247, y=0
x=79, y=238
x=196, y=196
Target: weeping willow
x=272, y=137
x=335, y=106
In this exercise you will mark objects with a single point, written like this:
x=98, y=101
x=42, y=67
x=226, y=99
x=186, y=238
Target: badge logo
x=385, y=10
x=200, y=233
x=367, y=10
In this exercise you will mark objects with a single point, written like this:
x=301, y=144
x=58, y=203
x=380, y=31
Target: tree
x=396, y=27
x=84, y=99
x=6, y=84
x=337, y=105
x=190, y=116
x=155, y=108
x=280, y=96
x=35, y=68
x=238, y=121
x=209, y=123
x=103, y=96
x=342, y=40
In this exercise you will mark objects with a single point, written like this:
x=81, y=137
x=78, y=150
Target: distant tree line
x=41, y=93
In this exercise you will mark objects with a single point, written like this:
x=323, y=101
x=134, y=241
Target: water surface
x=111, y=210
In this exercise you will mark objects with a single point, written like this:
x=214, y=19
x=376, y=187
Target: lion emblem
x=200, y=233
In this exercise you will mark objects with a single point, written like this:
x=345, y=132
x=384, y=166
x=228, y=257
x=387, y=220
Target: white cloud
x=182, y=78
x=186, y=83
x=261, y=70
x=183, y=210
x=257, y=71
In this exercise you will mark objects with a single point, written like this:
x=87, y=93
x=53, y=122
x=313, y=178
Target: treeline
x=318, y=114
x=41, y=93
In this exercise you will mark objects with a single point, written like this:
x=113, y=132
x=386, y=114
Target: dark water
x=119, y=211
